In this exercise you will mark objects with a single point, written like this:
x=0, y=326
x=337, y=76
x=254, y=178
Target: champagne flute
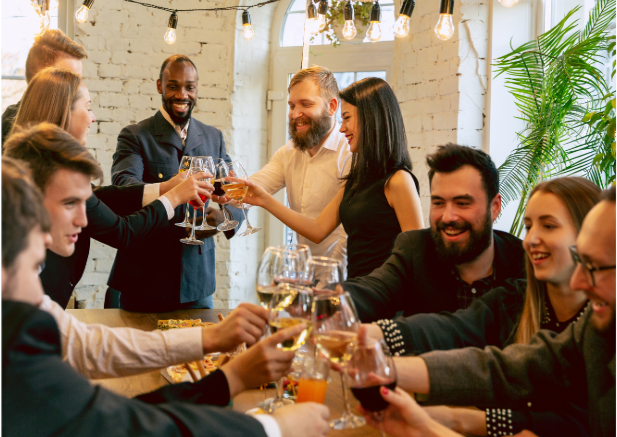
x=265, y=281
x=336, y=325
x=368, y=368
x=196, y=167
x=209, y=167
x=241, y=173
x=290, y=305
x=222, y=173
x=185, y=165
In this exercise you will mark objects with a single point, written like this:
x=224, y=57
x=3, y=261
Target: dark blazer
x=415, y=280
x=161, y=273
x=43, y=396
x=61, y=274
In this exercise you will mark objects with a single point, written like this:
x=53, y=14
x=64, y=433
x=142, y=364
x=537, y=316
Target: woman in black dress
x=380, y=198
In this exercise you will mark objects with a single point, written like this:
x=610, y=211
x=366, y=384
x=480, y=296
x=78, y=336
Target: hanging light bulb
x=170, y=35
x=45, y=21
x=349, y=30
x=247, y=30
x=321, y=14
x=401, y=27
x=374, y=30
x=81, y=16
x=445, y=28
x=53, y=4
x=311, y=13
x=508, y=3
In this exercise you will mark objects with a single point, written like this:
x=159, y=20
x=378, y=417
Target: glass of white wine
x=241, y=173
x=265, y=279
x=185, y=165
x=222, y=173
x=290, y=306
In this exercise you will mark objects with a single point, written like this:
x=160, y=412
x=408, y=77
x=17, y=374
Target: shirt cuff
x=151, y=193
x=271, y=426
x=184, y=345
x=167, y=204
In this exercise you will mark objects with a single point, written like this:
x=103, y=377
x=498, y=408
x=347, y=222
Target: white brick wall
x=125, y=50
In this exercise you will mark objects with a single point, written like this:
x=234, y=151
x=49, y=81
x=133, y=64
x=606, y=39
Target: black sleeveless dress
x=371, y=225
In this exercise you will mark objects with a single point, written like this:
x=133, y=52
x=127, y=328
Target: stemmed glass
x=222, y=173
x=209, y=167
x=324, y=272
x=196, y=167
x=369, y=367
x=290, y=305
x=241, y=173
x=293, y=263
x=265, y=281
x=185, y=165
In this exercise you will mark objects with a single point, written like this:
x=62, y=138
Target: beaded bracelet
x=499, y=422
x=392, y=336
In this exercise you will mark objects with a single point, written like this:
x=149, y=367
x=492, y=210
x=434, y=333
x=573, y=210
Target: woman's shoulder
x=401, y=178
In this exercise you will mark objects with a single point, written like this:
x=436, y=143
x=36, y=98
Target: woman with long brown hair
x=512, y=314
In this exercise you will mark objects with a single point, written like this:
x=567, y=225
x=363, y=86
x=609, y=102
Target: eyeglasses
x=588, y=269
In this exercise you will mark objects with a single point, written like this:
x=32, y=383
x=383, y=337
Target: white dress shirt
x=312, y=182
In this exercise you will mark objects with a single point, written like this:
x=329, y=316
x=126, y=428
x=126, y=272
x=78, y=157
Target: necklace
x=546, y=316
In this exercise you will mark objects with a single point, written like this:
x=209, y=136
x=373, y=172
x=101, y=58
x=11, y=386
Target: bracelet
x=392, y=336
x=499, y=422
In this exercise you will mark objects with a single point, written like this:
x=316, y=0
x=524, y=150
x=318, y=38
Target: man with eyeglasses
x=547, y=373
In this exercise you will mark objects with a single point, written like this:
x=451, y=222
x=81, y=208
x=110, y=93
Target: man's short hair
x=608, y=195
x=451, y=157
x=322, y=77
x=48, y=47
x=46, y=149
x=22, y=210
x=174, y=60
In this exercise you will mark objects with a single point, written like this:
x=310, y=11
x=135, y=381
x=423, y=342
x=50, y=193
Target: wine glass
x=209, y=167
x=196, y=167
x=292, y=265
x=368, y=368
x=222, y=173
x=324, y=272
x=290, y=305
x=241, y=173
x=185, y=165
x=265, y=281
x=335, y=327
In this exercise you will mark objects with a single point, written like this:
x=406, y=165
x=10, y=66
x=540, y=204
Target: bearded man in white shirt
x=316, y=157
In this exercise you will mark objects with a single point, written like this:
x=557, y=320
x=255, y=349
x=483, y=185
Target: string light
x=247, y=30
x=321, y=14
x=81, y=16
x=311, y=13
x=508, y=3
x=349, y=30
x=374, y=30
x=401, y=27
x=445, y=28
x=170, y=35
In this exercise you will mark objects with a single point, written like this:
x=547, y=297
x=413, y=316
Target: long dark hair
x=382, y=143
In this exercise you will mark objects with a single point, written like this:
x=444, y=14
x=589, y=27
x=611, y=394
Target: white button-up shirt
x=311, y=182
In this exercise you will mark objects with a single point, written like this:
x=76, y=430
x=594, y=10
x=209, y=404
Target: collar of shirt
x=182, y=131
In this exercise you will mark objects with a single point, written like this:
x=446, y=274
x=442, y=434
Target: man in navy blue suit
x=163, y=274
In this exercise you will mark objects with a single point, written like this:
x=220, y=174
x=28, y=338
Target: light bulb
x=508, y=3
x=53, y=4
x=247, y=32
x=313, y=26
x=321, y=22
x=374, y=31
x=81, y=16
x=444, y=28
x=401, y=27
x=45, y=20
x=349, y=30
x=170, y=36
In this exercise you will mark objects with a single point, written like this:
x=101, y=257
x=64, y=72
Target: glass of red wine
x=197, y=166
x=208, y=167
x=369, y=367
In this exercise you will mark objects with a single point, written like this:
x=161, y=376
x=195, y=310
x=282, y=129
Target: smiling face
x=596, y=245
x=65, y=199
x=81, y=116
x=179, y=90
x=461, y=215
x=550, y=233
x=349, y=127
x=310, y=116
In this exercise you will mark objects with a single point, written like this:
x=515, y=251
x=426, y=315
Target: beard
x=180, y=121
x=318, y=128
x=456, y=253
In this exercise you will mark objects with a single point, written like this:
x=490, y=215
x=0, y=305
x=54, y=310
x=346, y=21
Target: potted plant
x=335, y=20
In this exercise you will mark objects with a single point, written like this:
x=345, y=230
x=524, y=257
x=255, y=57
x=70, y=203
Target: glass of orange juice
x=313, y=381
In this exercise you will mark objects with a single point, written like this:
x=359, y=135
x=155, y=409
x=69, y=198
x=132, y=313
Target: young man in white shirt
x=316, y=157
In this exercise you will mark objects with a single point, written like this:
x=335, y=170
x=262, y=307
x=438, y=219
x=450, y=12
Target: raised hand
x=307, y=419
x=245, y=324
x=190, y=189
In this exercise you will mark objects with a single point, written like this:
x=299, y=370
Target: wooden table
x=135, y=385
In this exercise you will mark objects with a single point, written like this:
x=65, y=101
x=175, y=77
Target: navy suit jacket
x=162, y=272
